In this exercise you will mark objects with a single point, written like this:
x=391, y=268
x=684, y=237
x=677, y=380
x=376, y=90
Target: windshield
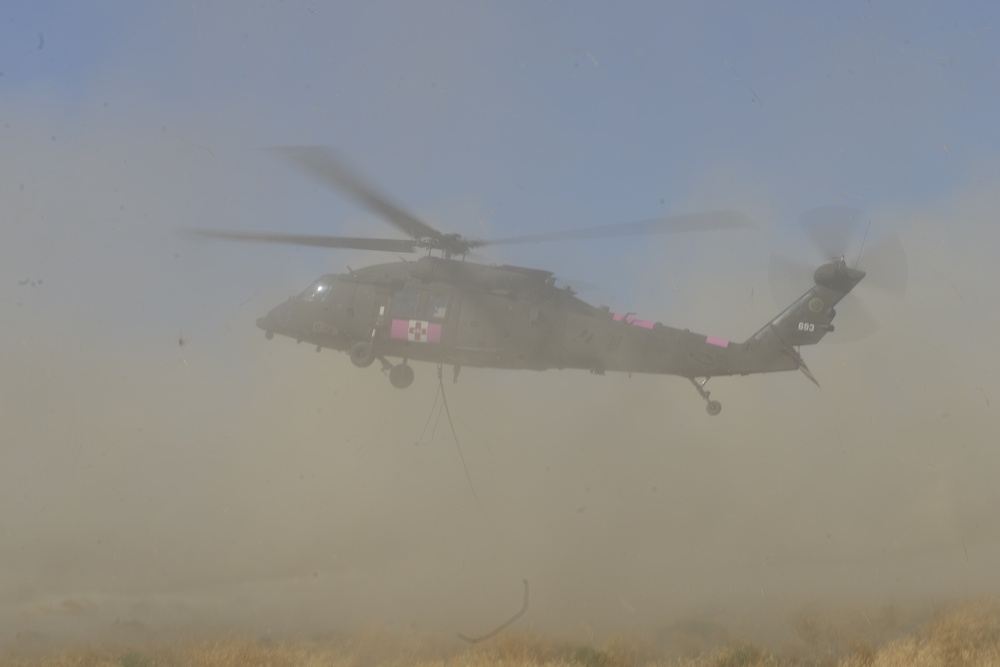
x=317, y=291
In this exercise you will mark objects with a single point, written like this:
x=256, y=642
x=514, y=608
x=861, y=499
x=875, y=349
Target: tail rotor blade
x=788, y=279
x=886, y=266
x=854, y=321
x=835, y=231
x=830, y=228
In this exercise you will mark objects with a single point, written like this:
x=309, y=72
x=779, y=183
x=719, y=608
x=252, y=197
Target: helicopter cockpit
x=318, y=291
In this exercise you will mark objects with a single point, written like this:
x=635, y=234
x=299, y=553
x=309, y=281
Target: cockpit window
x=437, y=307
x=405, y=304
x=317, y=291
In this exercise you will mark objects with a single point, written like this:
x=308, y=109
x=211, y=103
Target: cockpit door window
x=437, y=306
x=405, y=304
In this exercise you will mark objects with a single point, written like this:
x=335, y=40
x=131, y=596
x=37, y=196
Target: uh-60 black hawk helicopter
x=445, y=310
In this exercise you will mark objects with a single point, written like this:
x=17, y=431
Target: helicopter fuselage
x=467, y=314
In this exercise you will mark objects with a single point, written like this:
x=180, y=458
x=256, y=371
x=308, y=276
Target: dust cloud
x=165, y=471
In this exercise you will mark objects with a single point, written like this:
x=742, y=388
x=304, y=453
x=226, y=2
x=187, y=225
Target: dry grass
x=967, y=635
x=964, y=635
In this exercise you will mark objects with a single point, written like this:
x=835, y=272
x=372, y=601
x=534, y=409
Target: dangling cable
x=447, y=410
x=437, y=420
x=506, y=624
x=430, y=416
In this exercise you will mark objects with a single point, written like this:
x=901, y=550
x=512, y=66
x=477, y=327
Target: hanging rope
x=504, y=626
x=465, y=467
x=439, y=408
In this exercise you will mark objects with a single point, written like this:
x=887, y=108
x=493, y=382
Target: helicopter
x=446, y=309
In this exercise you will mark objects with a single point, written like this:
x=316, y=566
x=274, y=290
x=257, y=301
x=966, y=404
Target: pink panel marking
x=400, y=329
x=418, y=331
x=718, y=342
x=629, y=319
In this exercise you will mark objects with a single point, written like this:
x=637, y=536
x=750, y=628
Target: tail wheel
x=401, y=376
x=362, y=355
x=712, y=407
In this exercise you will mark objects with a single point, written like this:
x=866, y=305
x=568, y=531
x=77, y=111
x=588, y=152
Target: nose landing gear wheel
x=401, y=376
x=713, y=408
x=362, y=355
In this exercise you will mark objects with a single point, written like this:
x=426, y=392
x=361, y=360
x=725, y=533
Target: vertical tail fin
x=810, y=317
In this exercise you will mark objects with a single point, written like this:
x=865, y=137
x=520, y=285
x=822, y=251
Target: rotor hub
x=838, y=276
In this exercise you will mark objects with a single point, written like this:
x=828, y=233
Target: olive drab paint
x=461, y=313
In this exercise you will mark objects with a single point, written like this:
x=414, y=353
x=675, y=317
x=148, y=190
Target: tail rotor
x=840, y=233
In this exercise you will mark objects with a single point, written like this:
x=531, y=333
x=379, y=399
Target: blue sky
x=872, y=100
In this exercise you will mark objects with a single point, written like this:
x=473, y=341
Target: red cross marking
x=418, y=330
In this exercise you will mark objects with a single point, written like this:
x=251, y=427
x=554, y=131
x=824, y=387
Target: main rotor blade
x=390, y=245
x=324, y=164
x=695, y=222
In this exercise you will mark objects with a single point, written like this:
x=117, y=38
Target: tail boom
x=774, y=348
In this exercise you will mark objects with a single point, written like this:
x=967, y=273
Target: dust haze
x=163, y=482
x=165, y=471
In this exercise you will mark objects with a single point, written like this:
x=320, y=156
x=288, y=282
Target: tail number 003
x=807, y=326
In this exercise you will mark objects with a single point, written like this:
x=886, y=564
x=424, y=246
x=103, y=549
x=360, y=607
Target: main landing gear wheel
x=362, y=355
x=401, y=376
x=712, y=407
